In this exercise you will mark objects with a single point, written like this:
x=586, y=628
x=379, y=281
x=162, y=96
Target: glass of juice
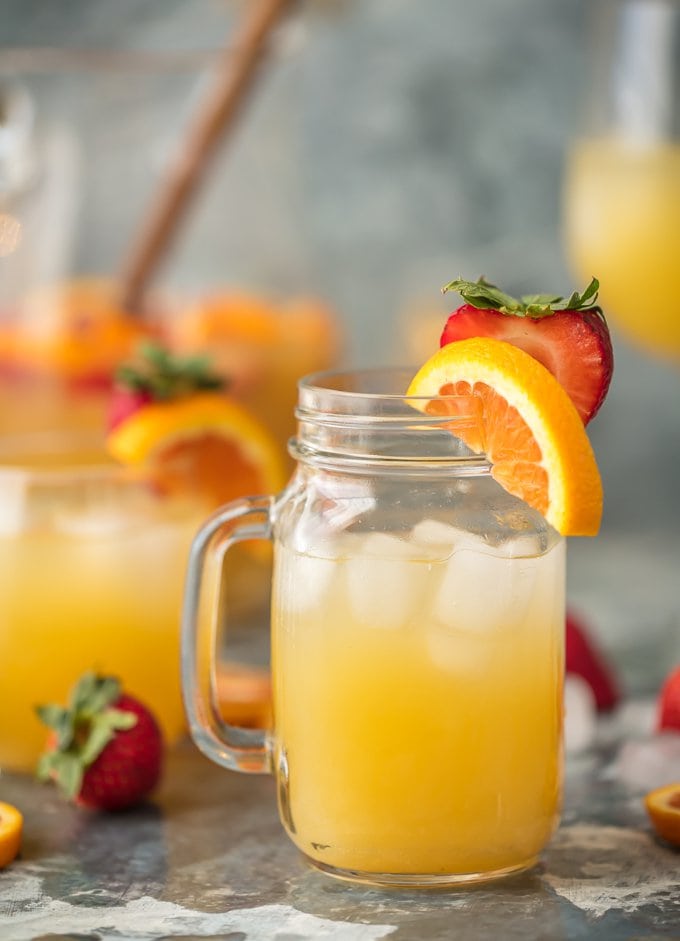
x=92, y=558
x=417, y=644
x=622, y=182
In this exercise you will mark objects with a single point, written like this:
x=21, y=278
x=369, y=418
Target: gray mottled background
x=392, y=146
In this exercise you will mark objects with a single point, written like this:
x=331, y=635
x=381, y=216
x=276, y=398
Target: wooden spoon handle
x=215, y=117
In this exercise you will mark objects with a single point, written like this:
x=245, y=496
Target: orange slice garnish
x=205, y=444
x=663, y=807
x=11, y=826
x=528, y=427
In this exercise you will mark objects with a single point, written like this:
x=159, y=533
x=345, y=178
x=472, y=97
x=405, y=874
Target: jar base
x=396, y=880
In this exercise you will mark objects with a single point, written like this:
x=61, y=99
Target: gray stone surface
x=210, y=859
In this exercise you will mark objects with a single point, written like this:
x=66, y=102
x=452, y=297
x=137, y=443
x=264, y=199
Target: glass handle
x=232, y=747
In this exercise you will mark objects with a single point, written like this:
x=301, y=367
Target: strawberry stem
x=163, y=375
x=484, y=295
x=82, y=730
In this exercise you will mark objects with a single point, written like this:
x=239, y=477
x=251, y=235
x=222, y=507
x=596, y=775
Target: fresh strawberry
x=585, y=660
x=568, y=336
x=157, y=376
x=105, y=750
x=125, y=402
x=669, y=703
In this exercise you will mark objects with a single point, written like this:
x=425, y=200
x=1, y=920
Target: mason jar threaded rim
x=362, y=417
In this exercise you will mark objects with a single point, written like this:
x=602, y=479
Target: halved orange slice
x=663, y=807
x=205, y=444
x=528, y=428
x=11, y=826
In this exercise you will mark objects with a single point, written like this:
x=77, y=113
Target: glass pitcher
x=417, y=644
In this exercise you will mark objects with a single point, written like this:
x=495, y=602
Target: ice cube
x=520, y=547
x=435, y=539
x=580, y=715
x=304, y=581
x=386, y=581
x=475, y=589
x=481, y=589
x=645, y=764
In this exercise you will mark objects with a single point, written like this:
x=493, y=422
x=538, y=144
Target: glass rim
x=372, y=398
x=363, y=418
x=26, y=454
x=321, y=382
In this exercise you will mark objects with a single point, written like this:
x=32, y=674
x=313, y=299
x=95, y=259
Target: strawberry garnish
x=669, y=703
x=105, y=750
x=158, y=376
x=569, y=336
x=584, y=659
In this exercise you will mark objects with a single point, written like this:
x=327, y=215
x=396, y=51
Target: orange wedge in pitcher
x=76, y=330
x=528, y=427
x=204, y=443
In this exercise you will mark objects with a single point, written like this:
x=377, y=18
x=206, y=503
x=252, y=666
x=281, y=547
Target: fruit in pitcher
x=105, y=749
x=168, y=414
x=11, y=827
x=669, y=703
x=256, y=339
x=526, y=424
x=156, y=375
x=569, y=336
x=77, y=331
x=663, y=807
x=263, y=344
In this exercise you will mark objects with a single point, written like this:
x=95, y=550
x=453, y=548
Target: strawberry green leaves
x=162, y=375
x=486, y=296
x=157, y=375
x=81, y=730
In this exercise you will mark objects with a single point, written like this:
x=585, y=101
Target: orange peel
x=11, y=828
x=528, y=428
x=204, y=443
x=663, y=807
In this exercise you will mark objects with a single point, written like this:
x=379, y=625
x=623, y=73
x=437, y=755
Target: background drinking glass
x=622, y=191
x=621, y=206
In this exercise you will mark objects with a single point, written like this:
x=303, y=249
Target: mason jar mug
x=417, y=625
